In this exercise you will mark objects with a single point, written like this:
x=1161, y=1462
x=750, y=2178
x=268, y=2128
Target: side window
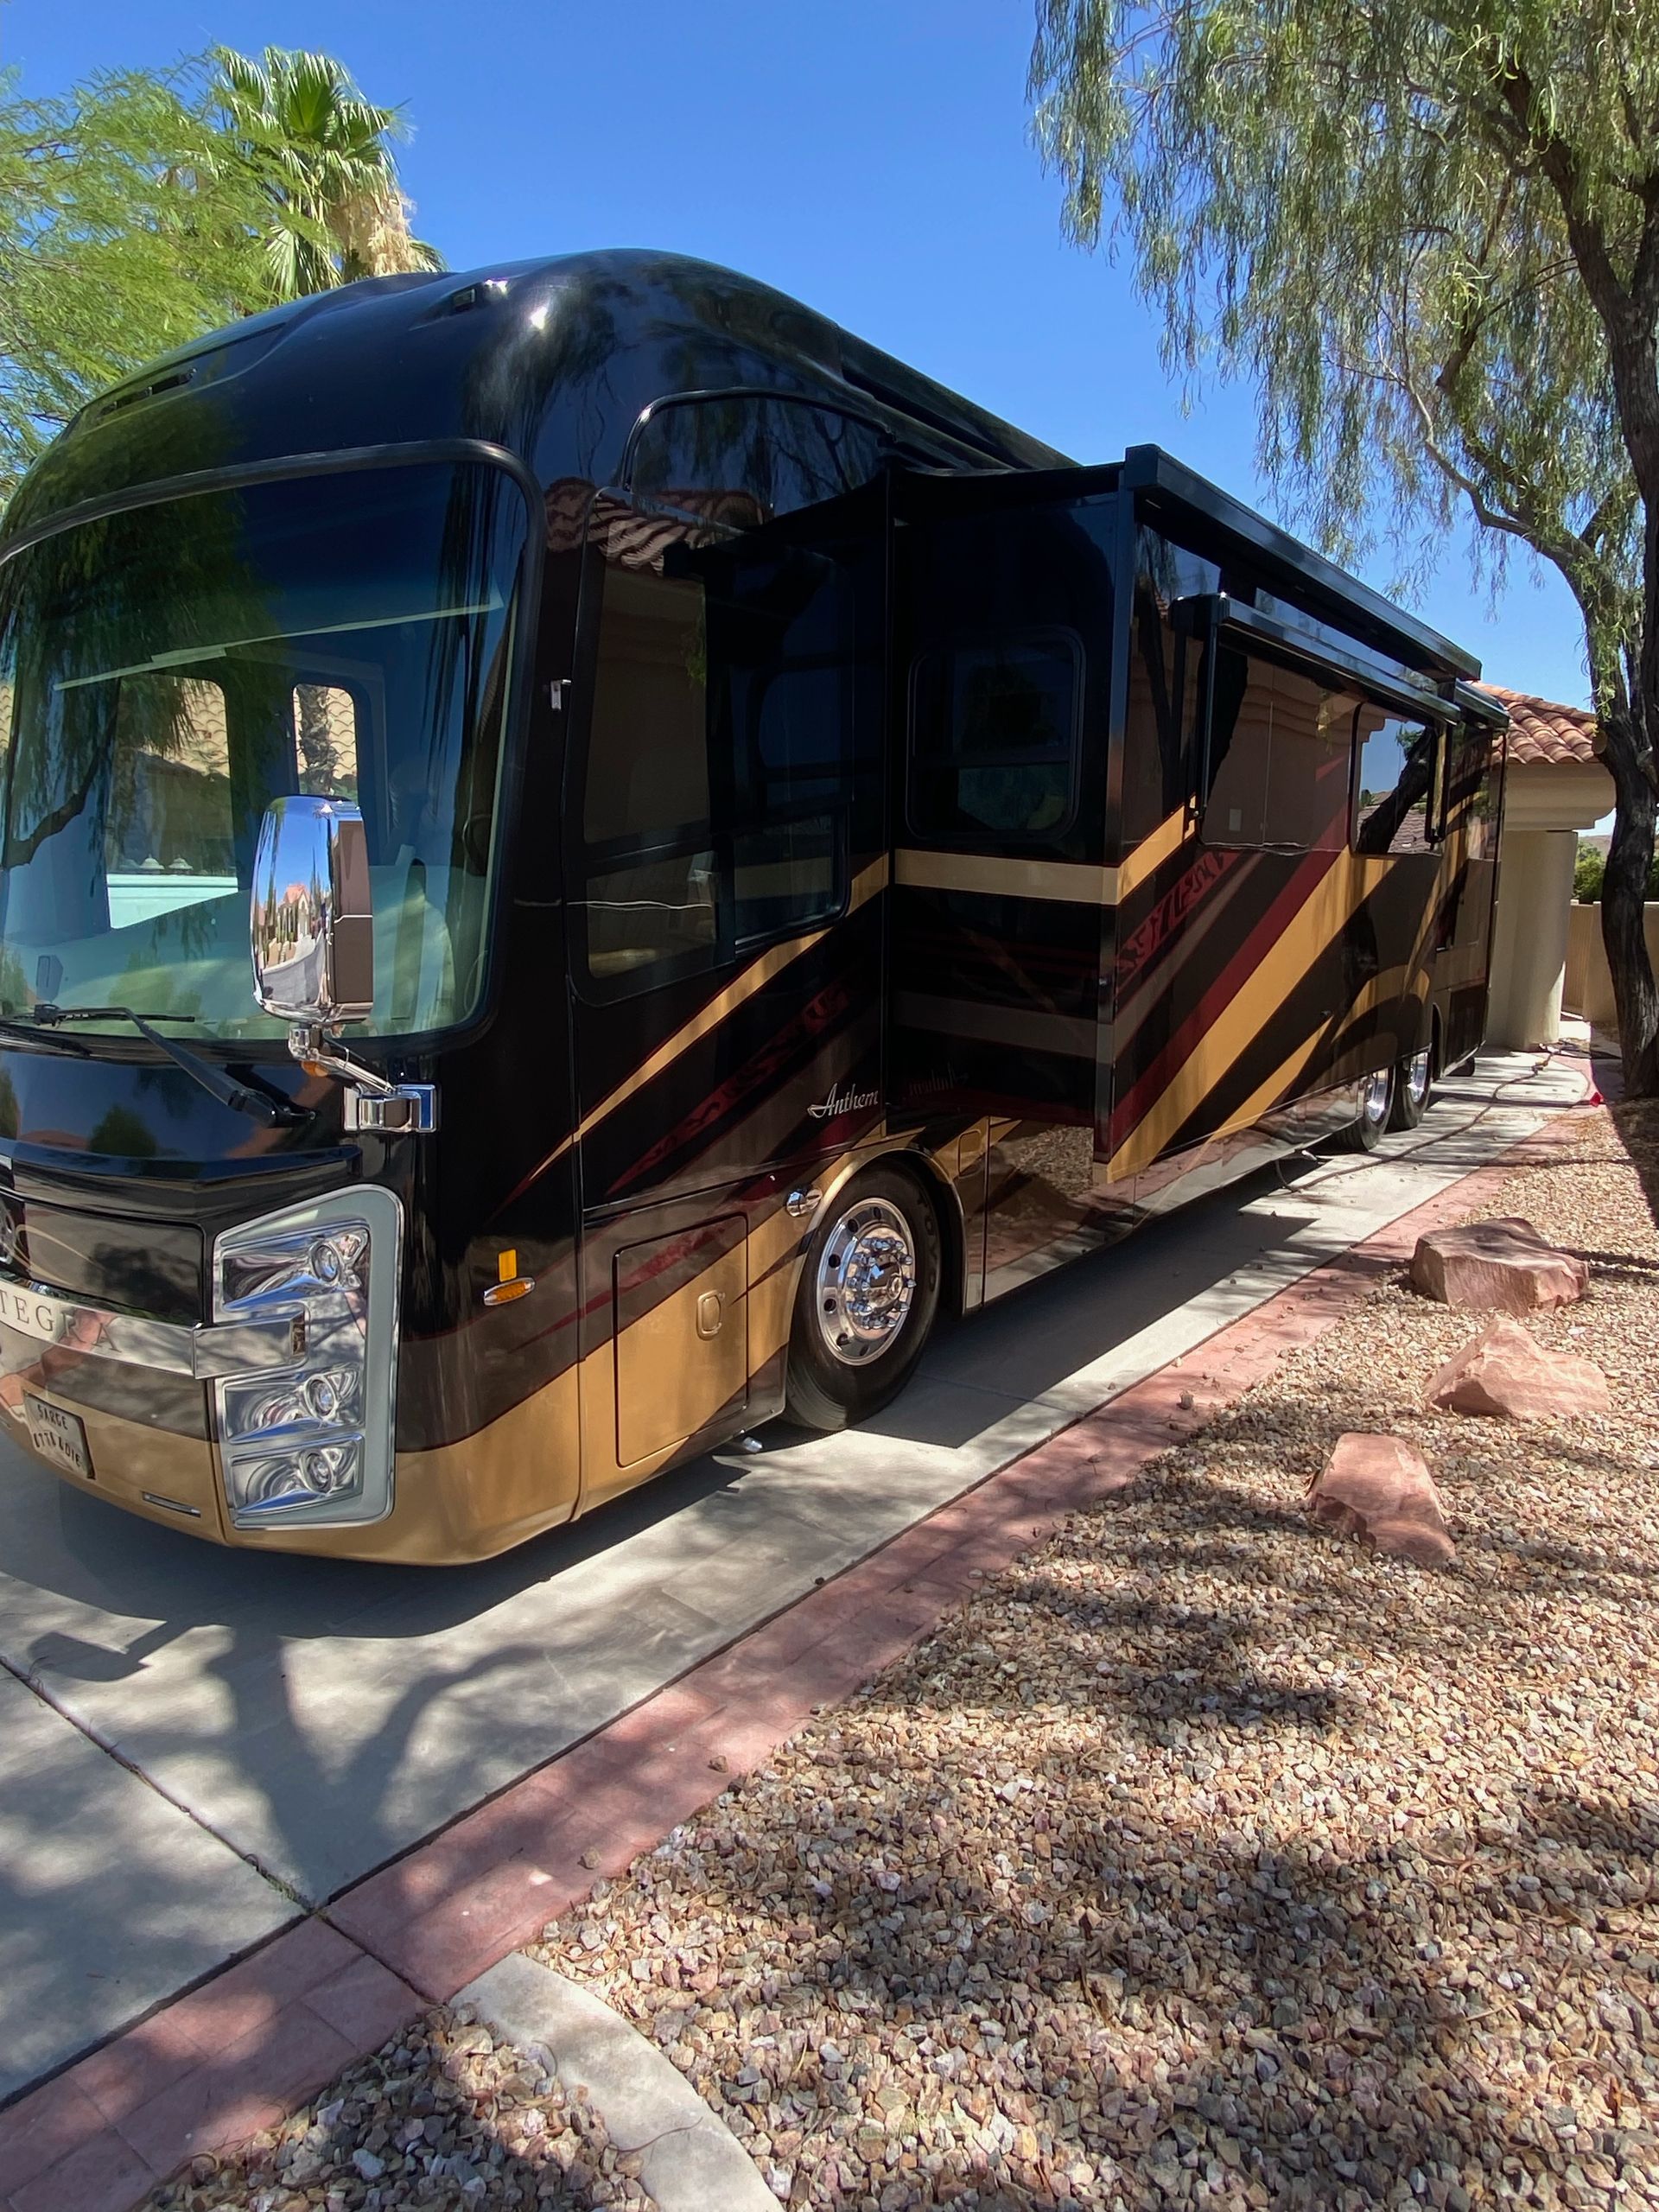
x=719, y=760
x=1279, y=753
x=167, y=830
x=1155, y=767
x=1471, y=792
x=761, y=457
x=994, y=739
x=1396, y=784
x=325, y=738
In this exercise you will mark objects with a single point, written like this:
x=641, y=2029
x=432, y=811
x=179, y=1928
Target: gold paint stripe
x=755, y=977
x=1327, y=909
x=1078, y=882
x=1390, y=984
x=1073, y=882
x=1152, y=852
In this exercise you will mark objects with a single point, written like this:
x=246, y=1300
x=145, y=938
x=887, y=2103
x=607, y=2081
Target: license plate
x=58, y=1436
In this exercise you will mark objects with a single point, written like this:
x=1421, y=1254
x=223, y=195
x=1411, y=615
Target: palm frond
x=323, y=154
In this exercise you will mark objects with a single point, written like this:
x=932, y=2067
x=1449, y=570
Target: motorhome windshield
x=167, y=671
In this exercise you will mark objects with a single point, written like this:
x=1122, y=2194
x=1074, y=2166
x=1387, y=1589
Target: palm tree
x=324, y=156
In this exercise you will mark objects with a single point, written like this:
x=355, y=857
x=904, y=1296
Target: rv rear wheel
x=1376, y=1109
x=868, y=1292
x=1413, y=1086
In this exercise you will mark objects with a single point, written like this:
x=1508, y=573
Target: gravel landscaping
x=444, y=2120
x=1203, y=1857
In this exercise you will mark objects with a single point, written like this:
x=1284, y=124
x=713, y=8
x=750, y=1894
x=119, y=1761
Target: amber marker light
x=509, y=1283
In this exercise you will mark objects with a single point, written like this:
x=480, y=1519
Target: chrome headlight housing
x=312, y=1442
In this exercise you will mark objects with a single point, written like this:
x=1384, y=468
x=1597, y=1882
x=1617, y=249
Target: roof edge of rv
x=1481, y=706
x=838, y=357
x=1149, y=469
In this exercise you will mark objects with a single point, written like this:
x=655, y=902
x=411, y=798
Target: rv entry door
x=723, y=832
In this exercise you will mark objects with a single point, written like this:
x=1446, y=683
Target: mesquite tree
x=127, y=226
x=1430, y=234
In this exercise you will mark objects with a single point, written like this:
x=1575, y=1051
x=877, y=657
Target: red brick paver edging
x=245, y=2047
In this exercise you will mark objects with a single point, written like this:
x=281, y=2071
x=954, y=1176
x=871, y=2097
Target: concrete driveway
x=197, y=1745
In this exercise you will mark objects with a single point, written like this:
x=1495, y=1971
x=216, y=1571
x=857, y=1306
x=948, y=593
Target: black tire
x=1375, y=1112
x=827, y=1389
x=1413, y=1087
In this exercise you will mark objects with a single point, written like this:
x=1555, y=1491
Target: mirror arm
x=321, y=1054
x=372, y=1102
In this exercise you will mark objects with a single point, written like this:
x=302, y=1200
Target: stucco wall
x=1589, y=987
x=1546, y=804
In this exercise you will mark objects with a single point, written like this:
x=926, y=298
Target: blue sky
x=872, y=159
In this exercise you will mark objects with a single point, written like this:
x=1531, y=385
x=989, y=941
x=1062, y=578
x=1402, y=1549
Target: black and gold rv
x=582, y=851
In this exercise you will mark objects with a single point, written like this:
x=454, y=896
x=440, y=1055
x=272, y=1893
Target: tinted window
x=719, y=760
x=1155, y=771
x=768, y=456
x=1163, y=662
x=1279, y=751
x=994, y=739
x=1395, y=785
x=1471, y=792
x=783, y=629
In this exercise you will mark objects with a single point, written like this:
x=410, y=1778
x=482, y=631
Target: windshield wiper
x=32, y=1034
x=224, y=1087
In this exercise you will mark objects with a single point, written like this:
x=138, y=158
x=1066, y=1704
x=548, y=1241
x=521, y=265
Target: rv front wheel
x=868, y=1292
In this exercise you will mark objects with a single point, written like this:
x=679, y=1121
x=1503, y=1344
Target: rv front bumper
x=284, y=1401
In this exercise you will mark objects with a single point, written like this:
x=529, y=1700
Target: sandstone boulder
x=1506, y=1371
x=1497, y=1265
x=1380, y=1488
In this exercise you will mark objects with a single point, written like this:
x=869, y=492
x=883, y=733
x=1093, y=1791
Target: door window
x=719, y=760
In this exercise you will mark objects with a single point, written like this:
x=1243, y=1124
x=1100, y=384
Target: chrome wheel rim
x=1417, y=1077
x=1373, y=1099
x=866, y=1281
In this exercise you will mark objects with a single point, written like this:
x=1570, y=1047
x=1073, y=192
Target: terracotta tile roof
x=1541, y=730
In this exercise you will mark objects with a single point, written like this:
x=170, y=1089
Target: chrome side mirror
x=311, y=919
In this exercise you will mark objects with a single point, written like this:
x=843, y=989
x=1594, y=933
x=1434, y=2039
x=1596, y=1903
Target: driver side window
x=718, y=772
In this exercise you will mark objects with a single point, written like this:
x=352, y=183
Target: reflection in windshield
x=167, y=670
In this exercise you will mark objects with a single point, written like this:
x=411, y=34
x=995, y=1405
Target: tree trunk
x=1632, y=752
x=1624, y=903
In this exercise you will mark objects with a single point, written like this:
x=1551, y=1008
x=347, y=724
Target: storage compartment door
x=681, y=1341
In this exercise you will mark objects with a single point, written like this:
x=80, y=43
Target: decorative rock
x=1497, y=1265
x=1505, y=1372
x=1379, y=1487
